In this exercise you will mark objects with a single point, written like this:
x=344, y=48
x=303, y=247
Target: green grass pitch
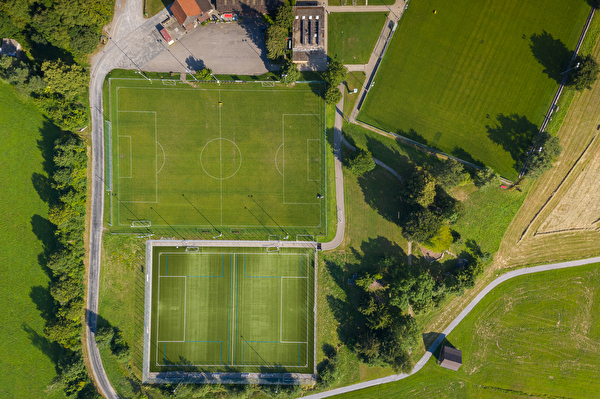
x=215, y=158
x=475, y=79
x=352, y=36
x=232, y=309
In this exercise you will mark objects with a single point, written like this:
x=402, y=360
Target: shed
x=450, y=358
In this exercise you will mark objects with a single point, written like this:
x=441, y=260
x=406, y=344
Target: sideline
x=455, y=322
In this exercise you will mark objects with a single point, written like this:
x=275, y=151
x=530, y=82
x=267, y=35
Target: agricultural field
x=232, y=309
x=351, y=36
x=533, y=336
x=26, y=238
x=475, y=81
x=216, y=160
x=559, y=218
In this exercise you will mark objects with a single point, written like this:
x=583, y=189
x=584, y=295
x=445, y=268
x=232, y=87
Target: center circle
x=221, y=158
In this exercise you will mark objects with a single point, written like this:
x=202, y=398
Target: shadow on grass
x=461, y=153
x=551, y=53
x=382, y=193
x=515, y=133
x=47, y=347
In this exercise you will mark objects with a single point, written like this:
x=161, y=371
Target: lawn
x=26, y=237
x=352, y=35
x=220, y=160
x=153, y=7
x=536, y=335
x=475, y=82
x=225, y=309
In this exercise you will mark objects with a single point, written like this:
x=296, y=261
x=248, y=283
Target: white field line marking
x=281, y=310
x=220, y=157
x=184, y=305
x=164, y=158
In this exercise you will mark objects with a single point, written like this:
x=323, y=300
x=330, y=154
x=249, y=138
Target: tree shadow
x=515, y=133
x=380, y=191
x=42, y=49
x=194, y=63
x=47, y=347
x=461, y=153
x=551, y=53
x=44, y=231
x=254, y=27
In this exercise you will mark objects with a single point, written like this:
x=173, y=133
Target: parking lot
x=226, y=48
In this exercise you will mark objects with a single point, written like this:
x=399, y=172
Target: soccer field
x=232, y=309
x=215, y=159
x=475, y=79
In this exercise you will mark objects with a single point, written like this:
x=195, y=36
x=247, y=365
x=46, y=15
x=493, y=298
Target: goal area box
x=215, y=313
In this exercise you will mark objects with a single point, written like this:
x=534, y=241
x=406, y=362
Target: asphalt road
x=455, y=322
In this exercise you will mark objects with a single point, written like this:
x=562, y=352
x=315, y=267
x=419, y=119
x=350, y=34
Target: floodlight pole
x=570, y=69
x=188, y=71
x=213, y=75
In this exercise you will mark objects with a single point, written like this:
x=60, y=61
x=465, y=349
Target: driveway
x=226, y=48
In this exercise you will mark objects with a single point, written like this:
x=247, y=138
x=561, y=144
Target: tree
x=546, y=151
x=335, y=73
x=290, y=72
x=585, y=75
x=70, y=81
x=361, y=162
x=204, y=74
x=422, y=225
x=419, y=188
x=285, y=17
x=440, y=241
x=333, y=95
x=275, y=37
x=486, y=178
x=451, y=173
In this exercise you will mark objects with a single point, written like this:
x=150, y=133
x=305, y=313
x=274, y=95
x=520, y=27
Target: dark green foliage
x=204, y=74
x=361, y=162
x=84, y=39
x=275, y=41
x=335, y=73
x=585, y=75
x=290, y=72
x=104, y=337
x=451, y=173
x=486, y=178
x=333, y=95
x=422, y=225
x=285, y=17
x=419, y=188
x=546, y=151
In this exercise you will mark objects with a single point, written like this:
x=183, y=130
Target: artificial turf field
x=475, y=80
x=232, y=309
x=215, y=159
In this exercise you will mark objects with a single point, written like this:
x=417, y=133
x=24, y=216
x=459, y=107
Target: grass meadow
x=235, y=160
x=352, y=35
x=533, y=336
x=475, y=81
x=26, y=237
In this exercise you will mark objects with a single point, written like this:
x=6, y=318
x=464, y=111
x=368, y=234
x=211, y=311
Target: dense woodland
x=56, y=36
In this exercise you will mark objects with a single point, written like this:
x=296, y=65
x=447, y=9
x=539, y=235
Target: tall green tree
x=69, y=81
x=419, y=188
x=361, y=162
x=275, y=37
x=585, y=75
x=290, y=72
x=546, y=151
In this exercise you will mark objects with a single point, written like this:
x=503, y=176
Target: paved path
x=339, y=176
x=455, y=322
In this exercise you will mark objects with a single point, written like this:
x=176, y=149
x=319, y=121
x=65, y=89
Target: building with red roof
x=189, y=13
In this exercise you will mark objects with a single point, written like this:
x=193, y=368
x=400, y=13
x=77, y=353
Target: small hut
x=450, y=358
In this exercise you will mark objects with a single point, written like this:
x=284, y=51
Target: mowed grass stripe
x=466, y=79
x=217, y=163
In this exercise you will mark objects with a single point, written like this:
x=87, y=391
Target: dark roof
x=450, y=358
x=248, y=6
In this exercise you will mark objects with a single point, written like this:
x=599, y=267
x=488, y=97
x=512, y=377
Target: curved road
x=129, y=31
x=455, y=322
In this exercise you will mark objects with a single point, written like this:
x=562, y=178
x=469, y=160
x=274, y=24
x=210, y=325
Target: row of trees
x=278, y=31
x=66, y=263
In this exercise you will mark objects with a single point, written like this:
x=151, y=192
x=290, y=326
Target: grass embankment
x=534, y=336
x=558, y=219
x=26, y=237
x=352, y=35
x=153, y=7
x=354, y=80
x=474, y=89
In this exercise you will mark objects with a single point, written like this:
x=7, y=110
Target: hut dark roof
x=450, y=358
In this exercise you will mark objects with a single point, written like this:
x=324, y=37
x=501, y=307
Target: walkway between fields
x=452, y=326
